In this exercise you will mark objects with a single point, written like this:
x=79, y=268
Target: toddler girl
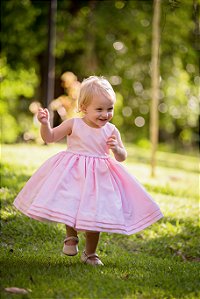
x=83, y=187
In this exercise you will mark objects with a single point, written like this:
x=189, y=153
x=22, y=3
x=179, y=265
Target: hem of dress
x=84, y=225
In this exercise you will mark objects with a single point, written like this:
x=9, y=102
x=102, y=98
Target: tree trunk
x=154, y=122
x=90, y=55
x=51, y=57
x=196, y=25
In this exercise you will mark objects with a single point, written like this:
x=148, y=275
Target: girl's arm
x=116, y=145
x=51, y=135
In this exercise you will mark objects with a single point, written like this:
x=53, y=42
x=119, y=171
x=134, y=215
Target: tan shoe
x=70, y=249
x=91, y=259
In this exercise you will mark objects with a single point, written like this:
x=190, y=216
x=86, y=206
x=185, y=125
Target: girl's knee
x=92, y=235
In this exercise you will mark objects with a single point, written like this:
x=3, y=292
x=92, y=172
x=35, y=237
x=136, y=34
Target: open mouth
x=102, y=122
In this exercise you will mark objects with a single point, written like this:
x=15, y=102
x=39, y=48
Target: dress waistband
x=88, y=155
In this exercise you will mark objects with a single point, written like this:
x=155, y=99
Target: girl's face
x=99, y=111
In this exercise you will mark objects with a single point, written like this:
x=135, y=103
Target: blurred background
x=110, y=38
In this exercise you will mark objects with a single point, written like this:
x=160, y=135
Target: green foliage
x=110, y=38
x=16, y=84
x=9, y=129
x=17, y=88
x=21, y=43
x=159, y=262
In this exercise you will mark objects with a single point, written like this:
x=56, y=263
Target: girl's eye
x=99, y=109
x=110, y=109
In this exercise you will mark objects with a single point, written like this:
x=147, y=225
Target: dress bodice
x=89, y=141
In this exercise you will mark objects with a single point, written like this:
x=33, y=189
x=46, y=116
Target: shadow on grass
x=48, y=277
x=32, y=259
x=177, y=239
x=170, y=237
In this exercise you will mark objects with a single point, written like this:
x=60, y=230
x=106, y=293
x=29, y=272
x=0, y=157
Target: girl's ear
x=83, y=108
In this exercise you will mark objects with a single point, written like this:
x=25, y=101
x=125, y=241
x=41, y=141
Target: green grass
x=160, y=262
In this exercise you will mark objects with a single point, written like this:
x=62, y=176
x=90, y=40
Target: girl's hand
x=43, y=116
x=113, y=143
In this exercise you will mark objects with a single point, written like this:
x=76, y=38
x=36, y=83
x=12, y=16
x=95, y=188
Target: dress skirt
x=88, y=193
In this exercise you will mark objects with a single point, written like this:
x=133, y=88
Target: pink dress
x=86, y=189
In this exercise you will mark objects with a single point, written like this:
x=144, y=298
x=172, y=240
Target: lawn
x=160, y=262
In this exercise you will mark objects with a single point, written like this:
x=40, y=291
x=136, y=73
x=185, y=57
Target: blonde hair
x=94, y=86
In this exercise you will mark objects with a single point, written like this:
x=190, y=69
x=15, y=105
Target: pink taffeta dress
x=87, y=189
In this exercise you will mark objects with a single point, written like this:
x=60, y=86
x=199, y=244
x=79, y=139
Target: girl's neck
x=90, y=124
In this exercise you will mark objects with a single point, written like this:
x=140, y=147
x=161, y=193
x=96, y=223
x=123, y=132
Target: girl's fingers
x=42, y=111
x=43, y=115
x=46, y=111
x=112, y=142
x=112, y=138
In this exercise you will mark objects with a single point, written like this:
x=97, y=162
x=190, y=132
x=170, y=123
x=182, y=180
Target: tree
x=110, y=38
x=155, y=84
x=50, y=76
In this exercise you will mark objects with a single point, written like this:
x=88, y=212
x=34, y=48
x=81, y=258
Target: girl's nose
x=105, y=114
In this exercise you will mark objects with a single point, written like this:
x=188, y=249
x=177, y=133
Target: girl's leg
x=92, y=239
x=70, y=246
x=89, y=256
x=71, y=233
